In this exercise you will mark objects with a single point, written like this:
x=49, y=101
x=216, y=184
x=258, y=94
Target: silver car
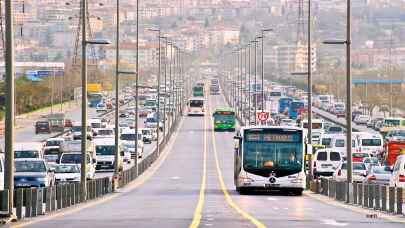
x=378, y=175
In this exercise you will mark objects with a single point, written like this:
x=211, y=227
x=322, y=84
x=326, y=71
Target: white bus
x=196, y=106
x=269, y=158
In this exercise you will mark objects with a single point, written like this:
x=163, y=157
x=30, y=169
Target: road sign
x=262, y=116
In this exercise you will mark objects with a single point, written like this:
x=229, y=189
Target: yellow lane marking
x=131, y=186
x=200, y=205
x=228, y=198
x=325, y=200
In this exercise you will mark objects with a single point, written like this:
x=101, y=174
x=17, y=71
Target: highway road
x=191, y=185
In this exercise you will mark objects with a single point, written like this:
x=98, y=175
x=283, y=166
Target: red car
x=358, y=157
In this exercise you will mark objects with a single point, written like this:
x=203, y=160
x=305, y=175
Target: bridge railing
x=380, y=198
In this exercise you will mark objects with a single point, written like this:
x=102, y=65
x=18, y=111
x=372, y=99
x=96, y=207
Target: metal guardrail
x=372, y=196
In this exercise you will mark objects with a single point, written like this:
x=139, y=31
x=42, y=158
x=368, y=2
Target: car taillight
x=372, y=177
x=401, y=178
x=339, y=172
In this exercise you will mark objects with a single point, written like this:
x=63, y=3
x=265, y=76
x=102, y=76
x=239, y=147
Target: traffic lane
x=217, y=212
x=167, y=199
x=27, y=133
x=281, y=210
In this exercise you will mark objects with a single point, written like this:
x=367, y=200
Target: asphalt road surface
x=194, y=186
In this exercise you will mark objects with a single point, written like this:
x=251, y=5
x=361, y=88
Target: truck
x=393, y=148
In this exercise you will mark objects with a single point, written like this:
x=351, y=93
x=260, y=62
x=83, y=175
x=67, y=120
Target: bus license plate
x=271, y=185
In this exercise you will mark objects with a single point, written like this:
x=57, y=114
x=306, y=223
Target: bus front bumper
x=296, y=181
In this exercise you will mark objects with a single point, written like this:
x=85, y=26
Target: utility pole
x=83, y=176
x=249, y=86
x=10, y=106
x=349, y=101
x=117, y=88
x=309, y=90
x=137, y=88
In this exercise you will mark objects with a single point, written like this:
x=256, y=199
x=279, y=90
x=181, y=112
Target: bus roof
x=224, y=109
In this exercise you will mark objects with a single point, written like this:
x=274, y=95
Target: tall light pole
x=137, y=89
x=10, y=106
x=262, y=37
x=158, y=91
x=347, y=42
x=165, y=78
x=249, y=86
x=85, y=42
x=255, y=80
x=117, y=89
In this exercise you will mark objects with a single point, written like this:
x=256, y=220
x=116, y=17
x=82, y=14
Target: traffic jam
x=57, y=159
x=378, y=149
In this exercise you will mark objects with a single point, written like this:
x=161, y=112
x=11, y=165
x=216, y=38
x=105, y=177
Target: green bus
x=198, y=91
x=224, y=119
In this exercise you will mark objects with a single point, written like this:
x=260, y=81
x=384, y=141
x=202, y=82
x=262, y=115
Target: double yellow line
x=198, y=212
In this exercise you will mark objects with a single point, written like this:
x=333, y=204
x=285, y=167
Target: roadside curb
x=367, y=212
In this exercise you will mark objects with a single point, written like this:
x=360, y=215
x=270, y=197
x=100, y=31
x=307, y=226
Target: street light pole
x=117, y=84
x=255, y=85
x=249, y=92
x=349, y=100
x=10, y=106
x=136, y=89
x=83, y=178
x=309, y=62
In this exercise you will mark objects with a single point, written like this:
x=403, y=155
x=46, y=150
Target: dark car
x=42, y=126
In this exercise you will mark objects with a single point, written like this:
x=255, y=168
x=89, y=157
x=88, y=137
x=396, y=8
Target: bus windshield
x=196, y=103
x=279, y=153
x=391, y=122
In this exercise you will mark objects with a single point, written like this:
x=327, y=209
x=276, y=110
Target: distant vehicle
x=68, y=123
x=369, y=143
x=28, y=150
x=105, y=152
x=325, y=162
x=94, y=99
x=76, y=158
x=359, y=157
x=67, y=173
x=146, y=135
x=393, y=149
x=326, y=140
x=285, y=122
x=362, y=119
x=95, y=123
x=42, y=126
x=128, y=140
x=104, y=133
x=334, y=129
x=359, y=172
x=101, y=107
x=339, y=109
x=32, y=172
x=370, y=162
x=379, y=175
x=196, y=106
x=77, y=131
x=224, y=119
x=57, y=121
x=152, y=121
x=398, y=173
x=198, y=91
x=283, y=104
x=214, y=90
x=293, y=109
x=269, y=158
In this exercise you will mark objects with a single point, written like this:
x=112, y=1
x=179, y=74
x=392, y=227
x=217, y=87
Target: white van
x=325, y=162
x=369, y=143
x=339, y=144
x=398, y=174
x=105, y=154
x=128, y=140
x=29, y=150
x=196, y=106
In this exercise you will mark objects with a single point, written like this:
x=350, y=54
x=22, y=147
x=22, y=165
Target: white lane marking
x=275, y=208
x=332, y=222
x=175, y=178
x=271, y=199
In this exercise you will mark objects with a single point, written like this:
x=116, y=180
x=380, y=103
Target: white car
x=67, y=173
x=362, y=119
x=398, y=173
x=359, y=172
x=287, y=122
x=101, y=107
